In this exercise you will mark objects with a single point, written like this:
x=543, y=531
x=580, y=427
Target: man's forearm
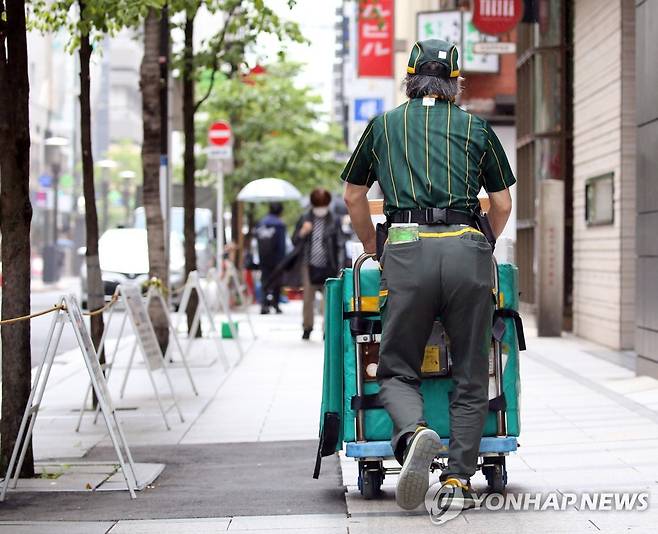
x=497, y=219
x=499, y=210
x=359, y=210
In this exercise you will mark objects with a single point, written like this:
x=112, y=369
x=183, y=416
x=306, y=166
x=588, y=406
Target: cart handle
x=356, y=274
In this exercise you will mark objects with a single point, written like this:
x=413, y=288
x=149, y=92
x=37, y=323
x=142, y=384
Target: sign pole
x=220, y=147
x=220, y=218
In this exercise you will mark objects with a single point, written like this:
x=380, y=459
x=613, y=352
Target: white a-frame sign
x=70, y=311
x=145, y=338
x=131, y=296
x=194, y=283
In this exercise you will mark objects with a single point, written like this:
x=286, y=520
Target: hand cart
x=371, y=446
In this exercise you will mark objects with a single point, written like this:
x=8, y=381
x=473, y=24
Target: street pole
x=55, y=203
x=220, y=217
x=126, y=202
x=105, y=189
x=127, y=176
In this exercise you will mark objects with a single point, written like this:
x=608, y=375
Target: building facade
x=588, y=116
x=646, y=207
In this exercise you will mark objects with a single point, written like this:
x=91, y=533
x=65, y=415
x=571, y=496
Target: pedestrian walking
x=318, y=233
x=431, y=158
x=271, y=238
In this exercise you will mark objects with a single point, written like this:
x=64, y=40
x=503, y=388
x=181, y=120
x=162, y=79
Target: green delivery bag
x=337, y=418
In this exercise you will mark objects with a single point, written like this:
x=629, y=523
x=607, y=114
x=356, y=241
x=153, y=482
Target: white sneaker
x=413, y=481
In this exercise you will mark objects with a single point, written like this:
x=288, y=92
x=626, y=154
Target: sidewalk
x=243, y=458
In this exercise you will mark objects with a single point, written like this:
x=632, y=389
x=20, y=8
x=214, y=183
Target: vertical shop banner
x=376, y=38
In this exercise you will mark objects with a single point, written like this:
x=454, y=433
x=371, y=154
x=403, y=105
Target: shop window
x=599, y=200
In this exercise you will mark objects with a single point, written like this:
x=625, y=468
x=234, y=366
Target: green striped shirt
x=429, y=156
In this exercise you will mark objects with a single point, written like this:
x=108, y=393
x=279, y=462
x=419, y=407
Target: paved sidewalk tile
x=55, y=527
x=284, y=523
x=171, y=526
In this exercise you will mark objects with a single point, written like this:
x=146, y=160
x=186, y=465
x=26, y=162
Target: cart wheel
x=496, y=474
x=371, y=477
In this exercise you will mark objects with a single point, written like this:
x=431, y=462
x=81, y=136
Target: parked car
x=123, y=255
x=204, y=243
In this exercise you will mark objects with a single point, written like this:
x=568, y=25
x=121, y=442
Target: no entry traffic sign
x=496, y=16
x=219, y=133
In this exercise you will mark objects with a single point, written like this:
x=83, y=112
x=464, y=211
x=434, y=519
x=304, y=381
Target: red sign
x=496, y=16
x=376, y=38
x=219, y=133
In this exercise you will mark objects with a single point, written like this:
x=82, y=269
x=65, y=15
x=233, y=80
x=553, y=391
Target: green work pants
x=450, y=278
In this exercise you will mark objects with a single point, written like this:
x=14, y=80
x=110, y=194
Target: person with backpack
x=271, y=237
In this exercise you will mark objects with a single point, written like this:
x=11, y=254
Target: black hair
x=433, y=78
x=276, y=208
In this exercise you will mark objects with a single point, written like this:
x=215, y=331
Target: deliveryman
x=431, y=158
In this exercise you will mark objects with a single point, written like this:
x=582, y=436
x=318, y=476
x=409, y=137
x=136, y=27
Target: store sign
x=495, y=48
x=496, y=16
x=375, y=30
x=367, y=108
x=457, y=27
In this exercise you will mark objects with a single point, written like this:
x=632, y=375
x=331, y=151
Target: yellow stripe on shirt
x=406, y=154
x=390, y=167
x=427, y=148
x=448, y=155
x=497, y=161
x=468, y=138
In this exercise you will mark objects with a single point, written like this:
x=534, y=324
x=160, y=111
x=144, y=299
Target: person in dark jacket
x=320, y=233
x=271, y=236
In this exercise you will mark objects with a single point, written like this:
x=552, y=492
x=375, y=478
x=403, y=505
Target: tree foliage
x=279, y=130
x=100, y=17
x=243, y=22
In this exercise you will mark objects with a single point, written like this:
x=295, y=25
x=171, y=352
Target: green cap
x=433, y=50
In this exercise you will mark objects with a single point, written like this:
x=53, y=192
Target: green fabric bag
x=339, y=381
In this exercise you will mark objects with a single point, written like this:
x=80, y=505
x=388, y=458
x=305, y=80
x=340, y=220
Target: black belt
x=431, y=216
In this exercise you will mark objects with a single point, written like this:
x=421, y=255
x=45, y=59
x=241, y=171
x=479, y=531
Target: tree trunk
x=150, y=86
x=189, y=199
x=15, y=219
x=95, y=290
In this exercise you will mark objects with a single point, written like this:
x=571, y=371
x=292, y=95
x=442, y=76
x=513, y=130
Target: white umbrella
x=269, y=190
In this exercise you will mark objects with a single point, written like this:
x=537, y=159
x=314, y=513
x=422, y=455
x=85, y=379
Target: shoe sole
x=413, y=482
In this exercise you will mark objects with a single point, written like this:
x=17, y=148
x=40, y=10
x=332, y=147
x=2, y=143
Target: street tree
x=244, y=21
x=279, y=130
x=87, y=22
x=150, y=84
x=15, y=220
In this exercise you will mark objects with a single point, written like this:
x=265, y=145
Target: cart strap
x=511, y=314
x=360, y=326
x=328, y=439
x=360, y=314
x=366, y=402
x=498, y=404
